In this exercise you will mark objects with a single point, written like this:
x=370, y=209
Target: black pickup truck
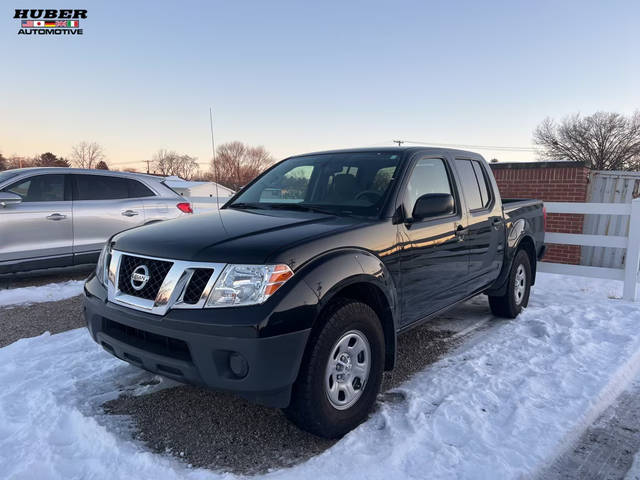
x=294, y=292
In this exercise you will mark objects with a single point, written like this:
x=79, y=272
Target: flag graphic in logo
x=67, y=23
x=50, y=24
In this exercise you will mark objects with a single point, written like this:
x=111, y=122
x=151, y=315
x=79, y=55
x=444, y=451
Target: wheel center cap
x=343, y=368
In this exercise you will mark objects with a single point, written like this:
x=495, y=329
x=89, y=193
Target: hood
x=232, y=236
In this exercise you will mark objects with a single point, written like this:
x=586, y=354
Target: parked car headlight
x=103, y=264
x=240, y=285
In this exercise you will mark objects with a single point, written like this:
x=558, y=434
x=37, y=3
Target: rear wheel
x=516, y=296
x=341, y=373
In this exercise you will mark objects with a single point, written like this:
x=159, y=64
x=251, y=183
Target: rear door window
x=39, y=188
x=470, y=185
x=101, y=187
x=483, y=183
x=138, y=189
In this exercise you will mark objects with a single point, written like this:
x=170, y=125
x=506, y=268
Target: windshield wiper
x=301, y=207
x=242, y=205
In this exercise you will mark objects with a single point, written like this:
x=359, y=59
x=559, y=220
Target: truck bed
x=511, y=204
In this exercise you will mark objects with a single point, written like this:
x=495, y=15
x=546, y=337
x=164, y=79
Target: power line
x=502, y=148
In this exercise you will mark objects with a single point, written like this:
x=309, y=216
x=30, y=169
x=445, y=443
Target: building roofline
x=546, y=164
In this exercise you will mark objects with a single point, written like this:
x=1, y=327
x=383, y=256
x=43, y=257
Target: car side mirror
x=433, y=205
x=8, y=198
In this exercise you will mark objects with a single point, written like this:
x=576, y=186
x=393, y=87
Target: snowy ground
x=38, y=294
x=504, y=405
x=634, y=472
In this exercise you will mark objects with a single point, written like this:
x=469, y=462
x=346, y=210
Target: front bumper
x=191, y=348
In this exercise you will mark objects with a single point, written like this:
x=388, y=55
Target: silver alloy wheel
x=347, y=369
x=520, y=284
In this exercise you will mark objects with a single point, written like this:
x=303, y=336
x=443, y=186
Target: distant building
x=197, y=189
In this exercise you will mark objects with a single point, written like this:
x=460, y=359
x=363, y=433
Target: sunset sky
x=304, y=76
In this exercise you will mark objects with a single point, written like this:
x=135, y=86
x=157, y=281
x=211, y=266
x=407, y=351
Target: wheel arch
x=528, y=245
x=362, y=276
x=523, y=242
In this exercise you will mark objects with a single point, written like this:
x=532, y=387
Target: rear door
x=434, y=260
x=159, y=207
x=102, y=207
x=485, y=237
x=40, y=226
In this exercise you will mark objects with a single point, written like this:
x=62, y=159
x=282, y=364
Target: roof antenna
x=215, y=167
x=213, y=151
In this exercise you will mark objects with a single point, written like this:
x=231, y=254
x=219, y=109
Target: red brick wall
x=550, y=182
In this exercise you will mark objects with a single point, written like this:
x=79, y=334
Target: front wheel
x=341, y=373
x=516, y=297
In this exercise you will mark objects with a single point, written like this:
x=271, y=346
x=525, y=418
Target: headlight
x=103, y=264
x=240, y=285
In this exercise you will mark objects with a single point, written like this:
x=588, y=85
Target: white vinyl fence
x=629, y=274
x=608, y=187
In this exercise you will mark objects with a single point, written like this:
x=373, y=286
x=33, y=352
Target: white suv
x=54, y=217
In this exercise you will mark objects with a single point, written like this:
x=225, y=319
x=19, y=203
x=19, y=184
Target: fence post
x=632, y=259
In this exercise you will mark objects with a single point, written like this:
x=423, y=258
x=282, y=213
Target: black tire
x=311, y=408
x=515, y=299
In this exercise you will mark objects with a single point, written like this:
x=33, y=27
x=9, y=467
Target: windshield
x=339, y=183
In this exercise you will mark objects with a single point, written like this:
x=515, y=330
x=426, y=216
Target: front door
x=435, y=261
x=41, y=225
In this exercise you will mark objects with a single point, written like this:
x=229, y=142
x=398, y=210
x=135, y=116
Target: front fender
x=334, y=271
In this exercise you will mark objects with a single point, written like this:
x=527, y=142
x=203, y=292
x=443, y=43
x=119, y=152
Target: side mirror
x=8, y=198
x=433, y=205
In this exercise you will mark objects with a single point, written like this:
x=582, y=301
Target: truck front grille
x=157, y=285
x=196, y=285
x=157, y=269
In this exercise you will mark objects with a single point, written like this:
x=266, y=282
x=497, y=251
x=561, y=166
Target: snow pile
x=634, y=471
x=44, y=293
x=503, y=406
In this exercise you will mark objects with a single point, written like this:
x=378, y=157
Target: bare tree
x=163, y=161
x=237, y=164
x=168, y=162
x=187, y=167
x=102, y=165
x=19, y=162
x=87, y=155
x=3, y=162
x=605, y=140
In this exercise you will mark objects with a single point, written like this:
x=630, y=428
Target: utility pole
x=148, y=162
x=399, y=142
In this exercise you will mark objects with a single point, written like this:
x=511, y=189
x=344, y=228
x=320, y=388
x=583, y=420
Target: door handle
x=129, y=213
x=56, y=216
x=496, y=221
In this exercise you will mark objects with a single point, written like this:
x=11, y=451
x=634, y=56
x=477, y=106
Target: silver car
x=54, y=217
